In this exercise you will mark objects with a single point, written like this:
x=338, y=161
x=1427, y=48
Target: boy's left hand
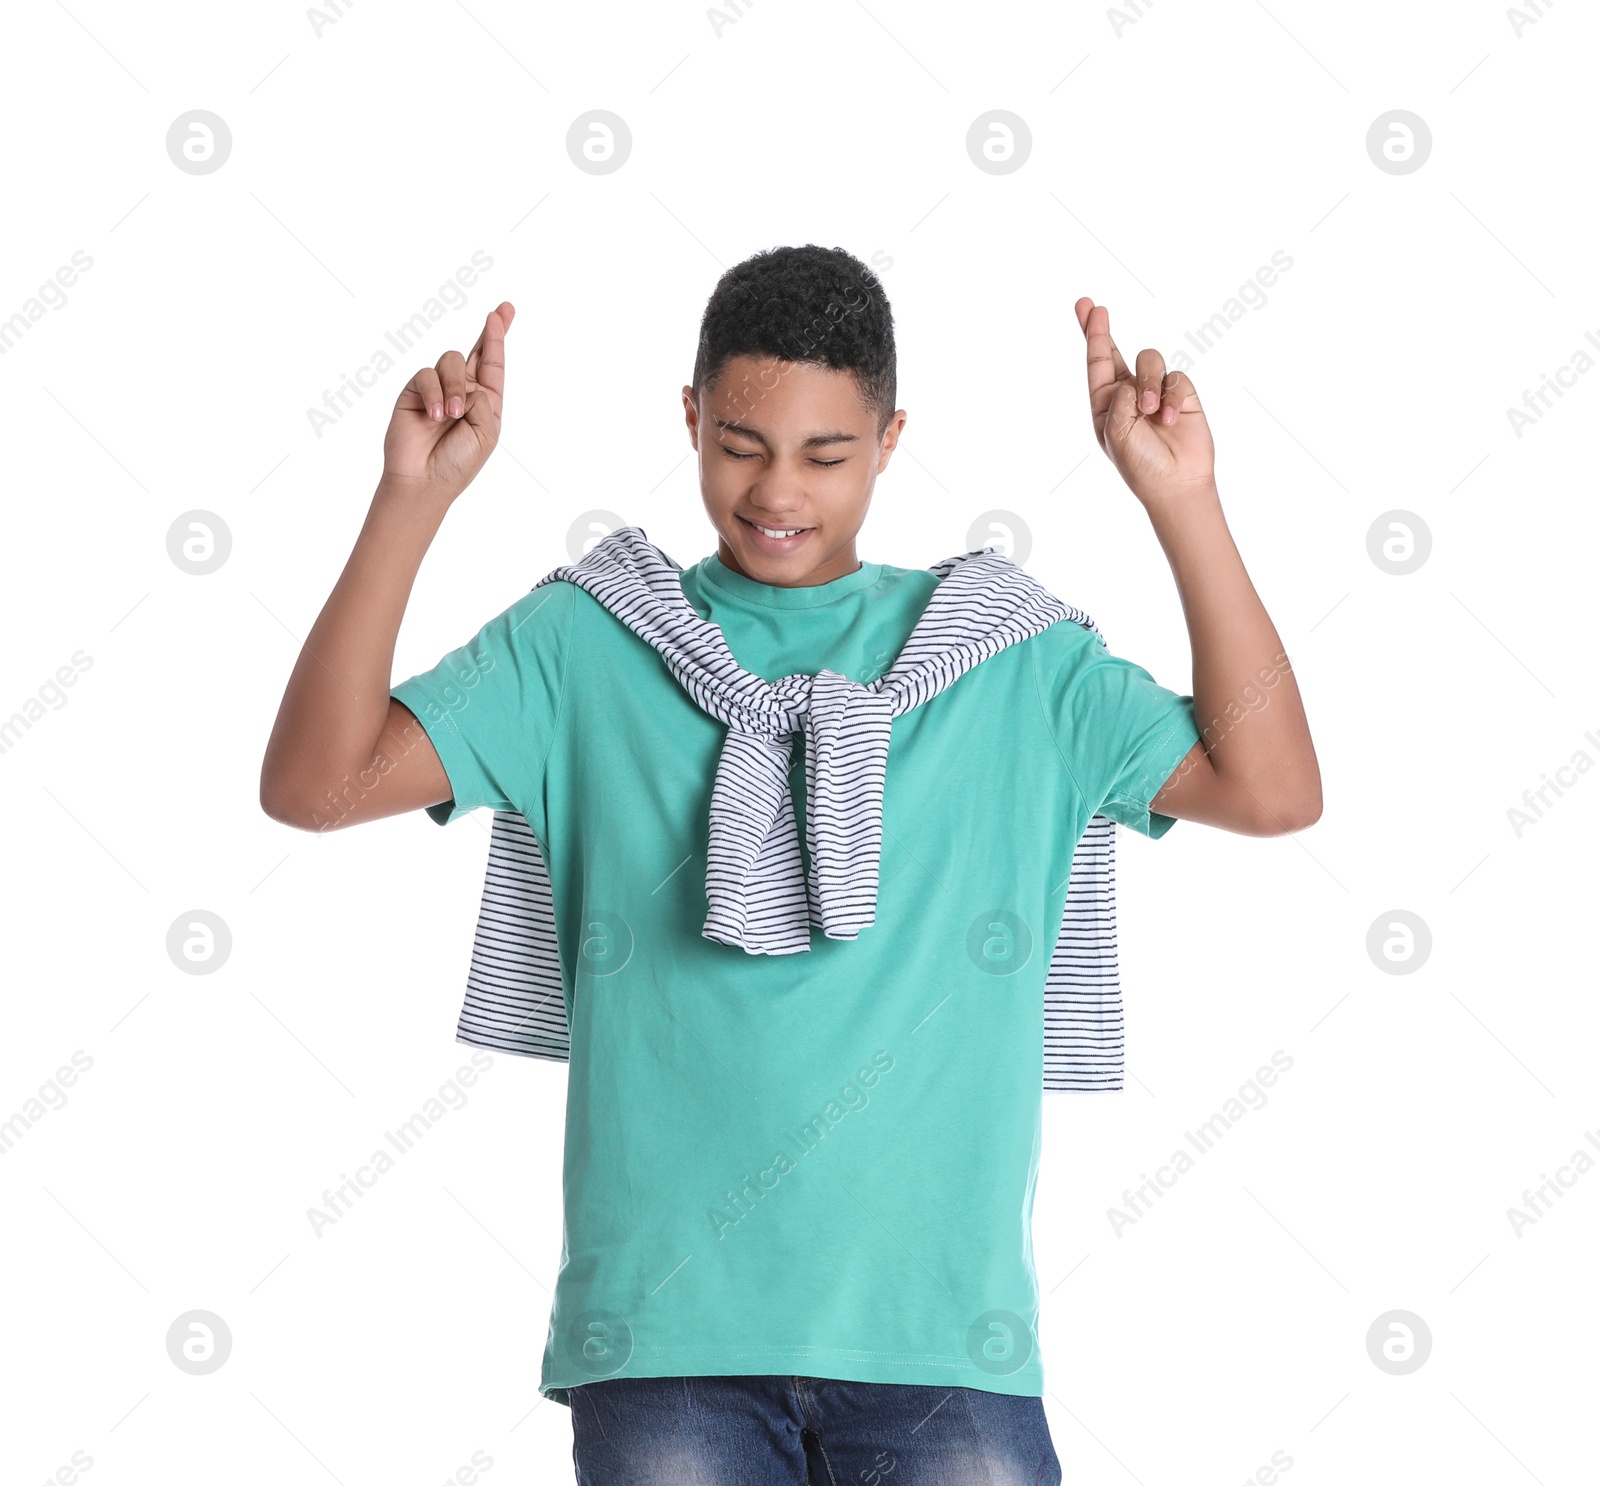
x=1149, y=421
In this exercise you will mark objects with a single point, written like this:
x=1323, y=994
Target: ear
x=691, y=416
x=891, y=437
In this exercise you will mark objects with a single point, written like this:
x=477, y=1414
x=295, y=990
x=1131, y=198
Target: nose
x=777, y=492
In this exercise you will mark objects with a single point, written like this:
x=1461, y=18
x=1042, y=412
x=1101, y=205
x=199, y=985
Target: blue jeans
x=767, y=1430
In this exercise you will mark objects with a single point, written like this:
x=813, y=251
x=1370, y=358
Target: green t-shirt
x=818, y=1164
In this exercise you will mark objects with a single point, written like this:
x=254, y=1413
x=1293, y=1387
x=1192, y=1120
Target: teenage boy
x=785, y=1148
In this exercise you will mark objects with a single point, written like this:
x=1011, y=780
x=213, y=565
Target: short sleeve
x=1120, y=733
x=490, y=707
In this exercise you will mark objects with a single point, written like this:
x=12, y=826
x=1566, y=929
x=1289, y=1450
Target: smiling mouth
x=775, y=533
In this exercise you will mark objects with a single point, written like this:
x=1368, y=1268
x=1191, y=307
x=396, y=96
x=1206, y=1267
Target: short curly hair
x=812, y=304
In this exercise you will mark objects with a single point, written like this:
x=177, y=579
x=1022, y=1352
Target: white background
x=1172, y=153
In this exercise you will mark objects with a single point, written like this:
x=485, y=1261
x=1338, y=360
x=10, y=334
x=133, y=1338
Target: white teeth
x=767, y=531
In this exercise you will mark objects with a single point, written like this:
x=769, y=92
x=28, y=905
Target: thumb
x=1122, y=412
x=481, y=414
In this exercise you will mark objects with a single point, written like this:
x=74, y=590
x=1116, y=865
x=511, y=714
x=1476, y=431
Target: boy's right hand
x=446, y=420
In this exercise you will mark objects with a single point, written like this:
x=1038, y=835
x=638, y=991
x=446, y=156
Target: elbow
x=270, y=798
x=277, y=806
x=1298, y=812
x=287, y=805
x=1301, y=817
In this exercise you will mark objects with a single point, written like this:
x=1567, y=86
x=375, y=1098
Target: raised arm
x=1255, y=771
x=342, y=750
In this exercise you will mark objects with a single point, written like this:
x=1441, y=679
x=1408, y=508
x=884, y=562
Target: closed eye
x=826, y=464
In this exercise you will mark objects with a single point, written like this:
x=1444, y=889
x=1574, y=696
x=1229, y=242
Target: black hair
x=812, y=304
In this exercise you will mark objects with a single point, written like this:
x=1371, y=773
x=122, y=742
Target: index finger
x=507, y=312
x=1105, y=362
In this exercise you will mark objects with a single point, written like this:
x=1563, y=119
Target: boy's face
x=786, y=445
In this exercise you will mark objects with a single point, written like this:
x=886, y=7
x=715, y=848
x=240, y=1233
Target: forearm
x=1246, y=701
x=336, y=703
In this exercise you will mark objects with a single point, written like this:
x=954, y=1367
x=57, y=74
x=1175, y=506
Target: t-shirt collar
x=713, y=572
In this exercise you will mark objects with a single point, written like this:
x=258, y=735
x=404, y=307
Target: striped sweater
x=763, y=896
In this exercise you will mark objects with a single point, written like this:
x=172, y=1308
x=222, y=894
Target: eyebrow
x=816, y=441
